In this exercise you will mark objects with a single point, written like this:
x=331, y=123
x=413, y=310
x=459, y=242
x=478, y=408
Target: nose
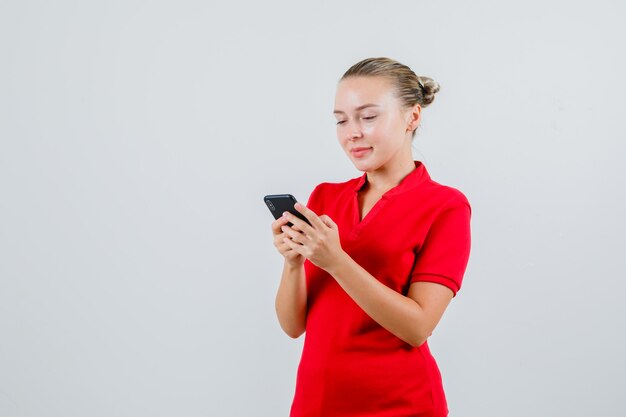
x=354, y=132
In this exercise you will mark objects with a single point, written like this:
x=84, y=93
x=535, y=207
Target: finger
x=295, y=246
x=284, y=248
x=328, y=221
x=292, y=226
x=296, y=236
x=281, y=245
x=297, y=222
x=276, y=224
x=301, y=224
x=309, y=214
x=278, y=241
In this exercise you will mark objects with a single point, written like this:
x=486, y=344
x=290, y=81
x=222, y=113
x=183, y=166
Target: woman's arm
x=412, y=318
x=291, y=300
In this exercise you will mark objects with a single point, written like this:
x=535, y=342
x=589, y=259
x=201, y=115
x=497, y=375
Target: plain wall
x=137, y=139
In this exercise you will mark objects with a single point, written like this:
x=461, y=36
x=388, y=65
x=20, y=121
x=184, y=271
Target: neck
x=389, y=176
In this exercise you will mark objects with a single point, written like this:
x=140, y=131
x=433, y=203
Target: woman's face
x=372, y=128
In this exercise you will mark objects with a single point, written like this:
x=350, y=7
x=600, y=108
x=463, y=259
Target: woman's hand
x=292, y=257
x=318, y=242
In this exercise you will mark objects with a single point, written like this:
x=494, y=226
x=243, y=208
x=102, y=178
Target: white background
x=137, y=272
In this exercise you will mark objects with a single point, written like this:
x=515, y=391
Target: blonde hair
x=410, y=89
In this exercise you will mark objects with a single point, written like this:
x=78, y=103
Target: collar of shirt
x=411, y=181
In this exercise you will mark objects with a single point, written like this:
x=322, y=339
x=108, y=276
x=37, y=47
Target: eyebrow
x=358, y=108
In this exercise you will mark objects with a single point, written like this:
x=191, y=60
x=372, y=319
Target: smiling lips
x=360, y=151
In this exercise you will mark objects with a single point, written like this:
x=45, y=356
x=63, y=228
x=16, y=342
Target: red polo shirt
x=351, y=366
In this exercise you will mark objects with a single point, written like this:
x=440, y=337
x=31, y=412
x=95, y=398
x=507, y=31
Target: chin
x=364, y=165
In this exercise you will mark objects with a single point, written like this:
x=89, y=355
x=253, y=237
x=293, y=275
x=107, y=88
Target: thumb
x=328, y=221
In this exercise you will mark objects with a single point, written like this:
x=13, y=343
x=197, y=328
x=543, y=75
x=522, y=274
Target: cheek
x=342, y=134
x=370, y=129
x=390, y=129
x=376, y=130
x=341, y=138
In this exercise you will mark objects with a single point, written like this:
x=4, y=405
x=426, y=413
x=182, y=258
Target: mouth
x=360, y=151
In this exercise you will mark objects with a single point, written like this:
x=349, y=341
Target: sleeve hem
x=439, y=279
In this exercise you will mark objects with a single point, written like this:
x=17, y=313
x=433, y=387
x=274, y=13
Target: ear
x=414, y=117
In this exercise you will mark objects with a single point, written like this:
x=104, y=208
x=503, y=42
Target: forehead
x=353, y=92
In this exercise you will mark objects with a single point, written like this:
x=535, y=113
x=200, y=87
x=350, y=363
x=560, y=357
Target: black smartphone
x=280, y=203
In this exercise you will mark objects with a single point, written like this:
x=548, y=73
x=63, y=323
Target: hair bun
x=429, y=88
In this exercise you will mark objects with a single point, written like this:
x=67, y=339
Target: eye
x=370, y=117
x=341, y=122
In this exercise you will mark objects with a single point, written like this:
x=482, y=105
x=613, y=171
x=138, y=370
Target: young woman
x=384, y=255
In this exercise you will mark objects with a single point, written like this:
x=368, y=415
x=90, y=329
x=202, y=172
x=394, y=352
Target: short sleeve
x=444, y=254
x=315, y=200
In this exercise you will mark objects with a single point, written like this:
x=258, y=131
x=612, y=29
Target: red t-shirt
x=351, y=366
